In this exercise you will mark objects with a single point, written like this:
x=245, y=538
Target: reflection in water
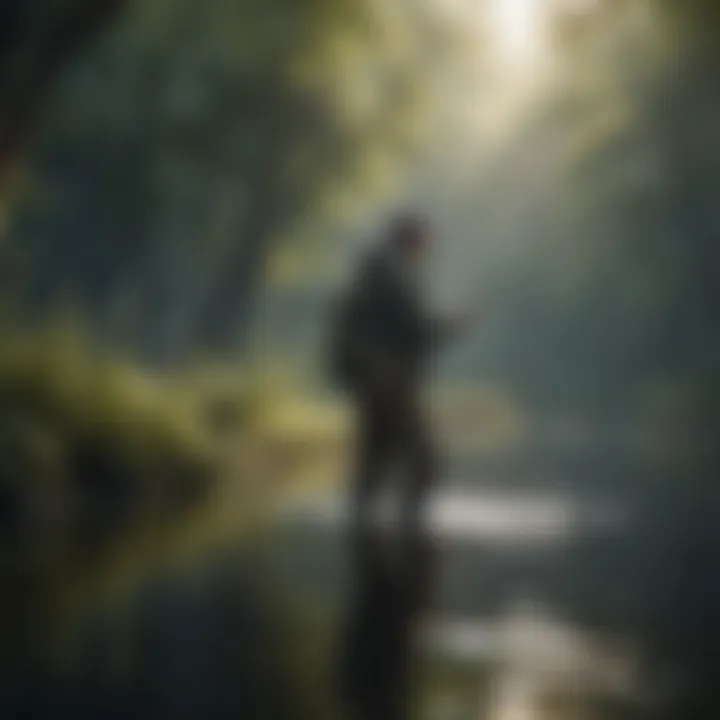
x=516, y=699
x=507, y=518
x=540, y=657
x=529, y=661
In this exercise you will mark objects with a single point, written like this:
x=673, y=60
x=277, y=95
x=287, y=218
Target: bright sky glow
x=519, y=27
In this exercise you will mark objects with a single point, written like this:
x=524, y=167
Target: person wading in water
x=383, y=339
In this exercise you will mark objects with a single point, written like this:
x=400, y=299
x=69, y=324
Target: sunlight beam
x=519, y=28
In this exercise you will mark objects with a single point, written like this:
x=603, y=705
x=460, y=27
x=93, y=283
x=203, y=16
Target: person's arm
x=427, y=333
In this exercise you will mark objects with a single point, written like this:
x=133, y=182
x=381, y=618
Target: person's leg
x=421, y=460
x=373, y=453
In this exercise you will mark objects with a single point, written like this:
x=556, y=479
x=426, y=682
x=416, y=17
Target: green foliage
x=53, y=377
x=108, y=471
x=95, y=456
x=226, y=131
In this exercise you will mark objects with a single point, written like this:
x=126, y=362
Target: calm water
x=502, y=550
x=486, y=516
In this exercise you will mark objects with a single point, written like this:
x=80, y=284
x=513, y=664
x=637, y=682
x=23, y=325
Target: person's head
x=410, y=238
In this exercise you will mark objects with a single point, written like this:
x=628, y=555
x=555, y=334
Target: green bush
x=105, y=467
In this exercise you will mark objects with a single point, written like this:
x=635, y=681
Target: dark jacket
x=382, y=326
